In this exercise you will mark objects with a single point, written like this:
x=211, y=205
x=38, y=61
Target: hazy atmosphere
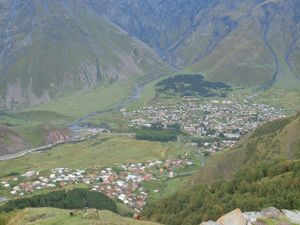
x=150, y=112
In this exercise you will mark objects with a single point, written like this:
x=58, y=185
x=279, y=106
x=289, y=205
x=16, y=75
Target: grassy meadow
x=95, y=153
x=82, y=102
x=51, y=216
x=115, y=121
x=165, y=187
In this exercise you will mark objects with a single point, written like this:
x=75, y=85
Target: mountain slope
x=261, y=171
x=161, y=24
x=10, y=141
x=246, y=43
x=48, y=47
x=60, y=216
x=258, y=50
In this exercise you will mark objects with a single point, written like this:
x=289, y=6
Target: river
x=135, y=94
x=80, y=125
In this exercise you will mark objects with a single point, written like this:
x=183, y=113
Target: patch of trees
x=273, y=183
x=72, y=199
x=157, y=132
x=192, y=85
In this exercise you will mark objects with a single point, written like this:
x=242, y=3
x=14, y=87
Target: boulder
x=293, y=216
x=252, y=217
x=235, y=217
x=271, y=212
x=210, y=223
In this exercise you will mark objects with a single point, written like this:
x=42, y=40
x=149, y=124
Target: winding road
x=79, y=124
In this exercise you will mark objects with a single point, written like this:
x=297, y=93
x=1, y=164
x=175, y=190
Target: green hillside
x=72, y=199
x=50, y=216
x=278, y=140
x=70, y=47
x=261, y=171
x=244, y=47
x=30, y=129
x=51, y=48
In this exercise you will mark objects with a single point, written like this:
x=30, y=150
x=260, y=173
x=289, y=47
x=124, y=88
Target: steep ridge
x=241, y=42
x=250, y=55
x=49, y=47
x=261, y=171
x=161, y=24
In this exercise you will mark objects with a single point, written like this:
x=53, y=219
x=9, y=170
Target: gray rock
x=293, y=216
x=209, y=223
x=251, y=217
x=271, y=212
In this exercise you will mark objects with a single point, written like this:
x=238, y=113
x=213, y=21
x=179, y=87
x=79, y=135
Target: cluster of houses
x=221, y=122
x=32, y=180
x=124, y=182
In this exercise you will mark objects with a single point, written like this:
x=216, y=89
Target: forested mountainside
x=261, y=171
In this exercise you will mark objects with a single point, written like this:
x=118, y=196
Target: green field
x=114, y=121
x=165, y=188
x=62, y=111
x=149, y=96
x=95, y=153
x=83, y=102
x=52, y=216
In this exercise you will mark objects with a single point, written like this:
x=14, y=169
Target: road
x=135, y=94
x=48, y=147
x=78, y=125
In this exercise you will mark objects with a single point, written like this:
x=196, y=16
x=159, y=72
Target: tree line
x=63, y=199
x=157, y=132
x=192, y=85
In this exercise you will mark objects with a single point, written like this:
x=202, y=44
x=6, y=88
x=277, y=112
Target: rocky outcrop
x=236, y=217
x=233, y=218
x=53, y=135
x=10, y=141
